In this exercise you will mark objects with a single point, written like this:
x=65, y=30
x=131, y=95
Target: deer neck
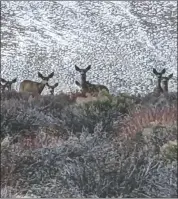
x=41, y=86
x=165, y=86
x=83, y=78
x=83, y=81
x=158, y=86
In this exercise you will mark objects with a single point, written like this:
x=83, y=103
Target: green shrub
x=170, y=150
x=123, y=103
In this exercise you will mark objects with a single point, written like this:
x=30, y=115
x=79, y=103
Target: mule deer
x=87, y=86
x=35, y=87
x=52, y=88
x=158, y=89
x=7, y=84
x=164, y=82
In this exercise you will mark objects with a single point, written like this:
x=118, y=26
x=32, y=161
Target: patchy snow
x=122, y=41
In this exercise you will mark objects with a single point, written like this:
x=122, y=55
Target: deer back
x=89, y=97
x=94, y=88
x=35, y=87
x=31, y=86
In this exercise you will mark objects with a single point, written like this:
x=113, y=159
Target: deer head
x=83, y=72
x=158, y=88
x=51, y=88
x=87, y=86
x=165, y=81
x=7, y=84
x=35, y=87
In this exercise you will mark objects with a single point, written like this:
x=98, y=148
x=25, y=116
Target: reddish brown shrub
x=143, y=117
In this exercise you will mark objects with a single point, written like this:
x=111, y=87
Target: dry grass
x=144, y=117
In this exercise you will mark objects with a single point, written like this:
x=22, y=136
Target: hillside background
x=55, y=146
x=122, y=41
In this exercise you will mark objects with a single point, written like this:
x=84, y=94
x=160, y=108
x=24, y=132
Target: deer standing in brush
x=35, y=88
x=165, y=81
x=86, y=86
x=51, y=88
x=7, y=84
x=91, y=97
x=162, y=81
x=158, y=89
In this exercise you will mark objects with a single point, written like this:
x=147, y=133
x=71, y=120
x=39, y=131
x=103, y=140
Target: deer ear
x=163, y=71
x=51, y=75
x=155, y=71
x=3, y=80
x=56, y=84
x=77, y=68
x=14, y=80
x=88, y=68
x=170, y=76
x=40, y=75
x=77, y=83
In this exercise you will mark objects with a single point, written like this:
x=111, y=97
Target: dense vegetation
x=123, y=147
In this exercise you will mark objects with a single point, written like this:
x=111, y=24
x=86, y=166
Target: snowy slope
x=122, y=41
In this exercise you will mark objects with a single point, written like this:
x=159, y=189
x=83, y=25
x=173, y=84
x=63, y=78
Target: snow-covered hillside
x=122, y=41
